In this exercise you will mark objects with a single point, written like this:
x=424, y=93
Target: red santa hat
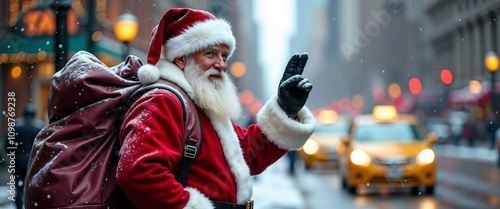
x=183, y=31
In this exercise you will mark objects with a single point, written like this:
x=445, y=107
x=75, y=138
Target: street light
x=491, y=62
x=61, y=8
x=446, y=77
x=125, y=30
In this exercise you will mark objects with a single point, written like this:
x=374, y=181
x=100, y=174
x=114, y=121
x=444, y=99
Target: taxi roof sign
x=385, y=113
x=327, y=116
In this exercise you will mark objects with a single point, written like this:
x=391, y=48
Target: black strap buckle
x=249, y=204
x=226, y=205
x=190, y=151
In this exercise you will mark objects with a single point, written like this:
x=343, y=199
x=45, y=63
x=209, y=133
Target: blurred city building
x=363, y=46
x=244, y=65
x=362, y=53
x=462, y=34
x=28, y=33
x=361, y=49
x=317, y=34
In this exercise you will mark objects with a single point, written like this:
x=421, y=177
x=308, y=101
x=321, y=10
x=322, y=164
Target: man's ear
x=180, y=62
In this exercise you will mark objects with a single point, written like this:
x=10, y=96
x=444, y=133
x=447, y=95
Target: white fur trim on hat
x=283, y=131
x=197, y=200
x=148, y=74
x=200, y=36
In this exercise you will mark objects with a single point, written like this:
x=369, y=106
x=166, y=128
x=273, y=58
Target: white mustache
x=213, y=72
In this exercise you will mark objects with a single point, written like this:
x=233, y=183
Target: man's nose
x=220, y=63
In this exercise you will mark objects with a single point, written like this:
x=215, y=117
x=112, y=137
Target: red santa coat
x=152, y=145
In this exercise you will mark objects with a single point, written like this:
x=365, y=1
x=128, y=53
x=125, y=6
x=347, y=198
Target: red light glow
x=415, y=86
x=446, y=76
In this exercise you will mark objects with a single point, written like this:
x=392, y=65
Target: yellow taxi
x=385, y=148
x=320, y=149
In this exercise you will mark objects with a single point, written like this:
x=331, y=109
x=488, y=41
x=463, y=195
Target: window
x=393, y=132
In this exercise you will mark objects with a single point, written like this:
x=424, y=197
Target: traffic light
x=415, y=86
x=446, y=76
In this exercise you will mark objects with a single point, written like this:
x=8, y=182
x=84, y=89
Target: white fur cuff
x=197, y=200
x=283, y=131
x=148, y=74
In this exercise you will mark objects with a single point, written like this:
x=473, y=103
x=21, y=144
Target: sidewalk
x=275, y=189
x=479, y=153
x=5, y=203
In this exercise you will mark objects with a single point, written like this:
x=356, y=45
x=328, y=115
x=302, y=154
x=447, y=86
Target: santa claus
x=190, y=48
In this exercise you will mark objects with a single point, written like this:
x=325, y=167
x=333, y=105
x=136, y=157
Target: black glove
x=294, y=89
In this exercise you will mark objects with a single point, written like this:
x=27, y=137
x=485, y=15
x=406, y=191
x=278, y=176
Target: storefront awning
x=405, y=104
x=465, y=98
x=32, y=38
x=18, y=44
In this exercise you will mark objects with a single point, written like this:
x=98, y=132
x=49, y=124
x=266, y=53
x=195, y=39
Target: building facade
x=463, y=33
x=365, y=46
x=369, y=45
x=28, y=37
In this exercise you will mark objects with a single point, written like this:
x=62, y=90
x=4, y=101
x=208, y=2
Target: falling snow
x=62, y=145
x=43, y=171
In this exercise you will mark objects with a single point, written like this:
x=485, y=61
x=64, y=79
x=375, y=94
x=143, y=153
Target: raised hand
x=294, y=89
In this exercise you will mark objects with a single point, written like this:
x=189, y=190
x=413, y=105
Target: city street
x=433, y=63
x=464, y=180
x=467, y=178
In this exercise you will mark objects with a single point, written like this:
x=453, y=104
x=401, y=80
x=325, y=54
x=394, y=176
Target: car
x=457, y=119
x=440, y=127
x=320, y=149
x=386, y=148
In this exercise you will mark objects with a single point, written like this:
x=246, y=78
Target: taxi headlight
x=311, y=147
x=340, y=147
x=360, y=157
x=425, y=156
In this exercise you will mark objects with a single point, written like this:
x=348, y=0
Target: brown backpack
x=74, y=158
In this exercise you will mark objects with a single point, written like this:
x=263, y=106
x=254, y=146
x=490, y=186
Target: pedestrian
x=491, y=127
x=26, y=127
x=292, y=158
x=497, y=141
x=470, y=131
x=190, y=48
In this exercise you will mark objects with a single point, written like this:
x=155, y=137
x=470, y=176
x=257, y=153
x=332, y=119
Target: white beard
x=219, y=98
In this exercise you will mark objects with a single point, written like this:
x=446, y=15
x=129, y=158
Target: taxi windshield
x=338, y=129
x=394, y=132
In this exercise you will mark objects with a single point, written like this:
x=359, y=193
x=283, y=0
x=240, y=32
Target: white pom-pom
x=148, y=74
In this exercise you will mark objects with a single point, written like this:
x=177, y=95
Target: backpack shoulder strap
x=193, y=137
